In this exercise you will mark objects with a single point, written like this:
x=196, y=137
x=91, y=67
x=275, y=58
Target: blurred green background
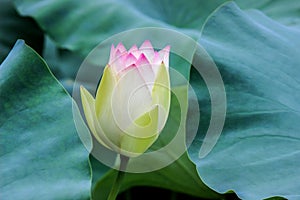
x=255, y=45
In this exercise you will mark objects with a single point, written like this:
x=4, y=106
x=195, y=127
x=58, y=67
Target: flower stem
x=120, y=175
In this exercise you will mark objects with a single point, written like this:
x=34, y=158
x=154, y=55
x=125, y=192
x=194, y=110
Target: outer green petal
x=88, y=104
x=104, y=92
x=133, y=147
x=161, y=94
x=103, y=105
x=148, y=123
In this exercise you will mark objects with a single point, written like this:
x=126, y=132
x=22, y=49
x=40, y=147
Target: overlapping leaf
x=41, y=154
x=258, y=153
x=81, y=25
x=258, y=59
x=286, y=12
x=13, y=27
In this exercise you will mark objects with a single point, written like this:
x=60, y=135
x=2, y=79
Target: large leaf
x=181, y=176
x=63, y=63
x=286, y=12
x=258, y=153
x=81, y=25
x=13, y=27
x=41, y=154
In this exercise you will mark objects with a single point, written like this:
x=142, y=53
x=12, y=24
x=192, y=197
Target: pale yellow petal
x=140, y=136
x=104, y=91
x=161, y=94
x=145, y=125
x=133, y=147
x=104, y=109
x=88, y=104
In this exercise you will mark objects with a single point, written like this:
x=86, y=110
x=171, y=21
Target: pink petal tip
x=146, y=45
x=142, y=60
x=121, y=47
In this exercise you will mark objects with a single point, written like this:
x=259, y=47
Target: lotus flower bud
x=132, y=101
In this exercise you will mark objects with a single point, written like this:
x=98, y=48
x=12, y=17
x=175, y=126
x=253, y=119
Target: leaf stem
x=120, y=175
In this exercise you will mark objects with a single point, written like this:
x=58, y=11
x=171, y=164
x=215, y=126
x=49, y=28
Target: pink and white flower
x=133, y=99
